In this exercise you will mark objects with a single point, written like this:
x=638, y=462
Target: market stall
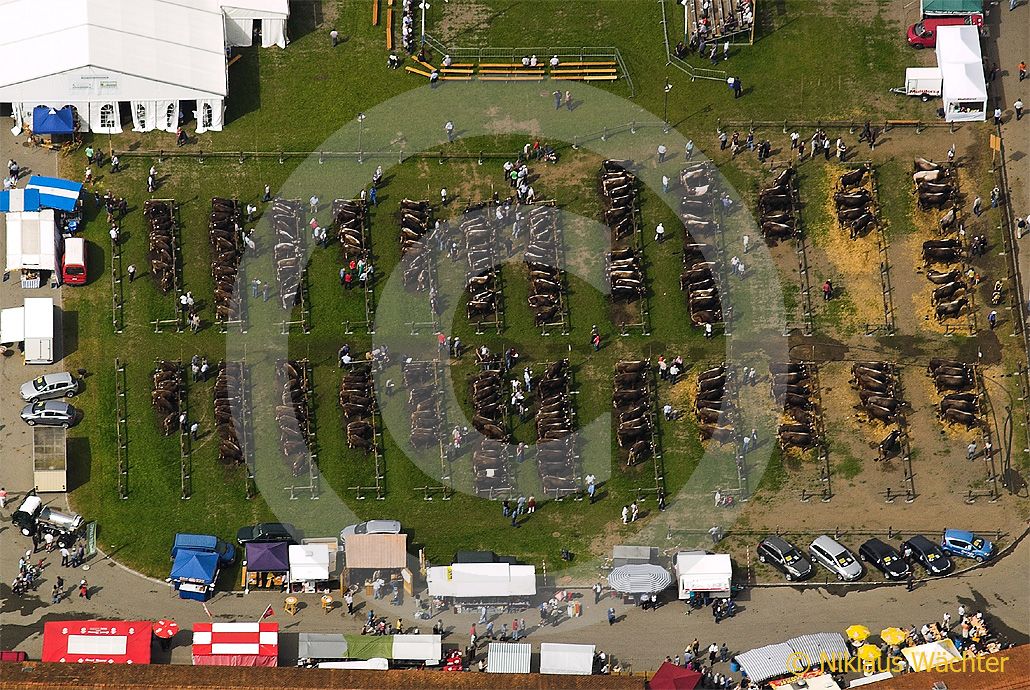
x=97, y=642
x=400, y=650
x=377, y=557
x=566, y=659
x=673, y=677
x=639, y=578
x=236, y=644
x=194, y=574
x=31, y=325
x=311, y=567
x=960, y=60
x=46, y=120
x=508, y=657
x=926, y=656
x=778, y=660
x=33, y=246
x=267, y=564
x=56, y=193
x=486, y=584
x=16, y=200
x=697, y=571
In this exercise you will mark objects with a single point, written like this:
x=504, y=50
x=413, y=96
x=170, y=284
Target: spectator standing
x=334, y=36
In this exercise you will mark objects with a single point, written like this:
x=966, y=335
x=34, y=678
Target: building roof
x=180, y=44
x=1014, y=676
x=376, y=550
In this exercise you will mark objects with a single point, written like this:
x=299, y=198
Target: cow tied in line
x=416, y=255
x=854, y=203
x=481, y=279
x=167, y=395
x=161, y=235
x=229, y=396
x=632, y=400
x=954, y=380
x=288, y=253
x=555, y=421
x=879, y=390
x=350, y=216
x=224, y=236
x=711, y=407
x=423, y=403
x=292, y=415
x=793, y=387
x=543, y=258
x=358, y=402
x=936, y=186
x=776, y=207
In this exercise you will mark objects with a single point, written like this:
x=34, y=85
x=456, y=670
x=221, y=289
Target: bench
x=463, y=64
x=512, y=71
x=589, y=70
x=456, y=78
x=375, y=12
x=389, y=28
x=451, y=70
x=585, y=77
x=413, y=70
x=506, y=64
x=610, y=63
x=424, y=64
x=510, y=78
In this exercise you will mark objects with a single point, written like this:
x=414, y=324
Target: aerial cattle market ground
x=294, y=101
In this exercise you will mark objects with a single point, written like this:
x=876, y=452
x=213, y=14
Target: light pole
x=668, y=88
x=361, y=118
x=423, y=6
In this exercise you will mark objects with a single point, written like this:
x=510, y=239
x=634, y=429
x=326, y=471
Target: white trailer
x=925, y=82
x=33, y=326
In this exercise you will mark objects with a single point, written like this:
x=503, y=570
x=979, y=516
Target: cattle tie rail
x=492, y=272
x=185, y=438
x=634, y=240
x=801, y=248
x=121, y=427
x=446, y=490
x=180, y=318
x=558, y=262
x=986, y=437
x=292, y=297
x=378, y=456
x=905, y=441
x=570, y=439
x=308, y=432
x=117, y=288
x=365, y=249
x=886, y=286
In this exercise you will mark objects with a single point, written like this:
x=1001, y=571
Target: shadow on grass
x=80, y=460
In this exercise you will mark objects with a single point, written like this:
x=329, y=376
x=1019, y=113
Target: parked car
x=785, y=557
x=927, y=554
x=836, y=558
x=13, y=655
x=56, y=385
x=884, y=558
x=50, y=413
x=73, y=263
x=923, y=34
x=32, y=517
x=267, y=531
x=958, y=542
x=371, y=527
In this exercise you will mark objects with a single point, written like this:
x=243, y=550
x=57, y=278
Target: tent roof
x=268, y=557
x=309, y=562
x=623, y=555
x=46, y=120
x=963, y=82
x=195, y=565
x=703, y=572
x=952, y=6
x=958, y=44
x=32, y=241
x=508, y=657
x=97, y=642
x=639, y=578
x=472, y=580
x=775, y=660
x=376, y=550
x=256, y=9
x=566, y=659
x=55, y=192
x=181, y=44
x=15, y=200
x=673, y=677
x=321, y=646
x=926, y=656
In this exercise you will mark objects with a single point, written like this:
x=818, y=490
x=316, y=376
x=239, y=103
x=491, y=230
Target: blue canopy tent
x=49, y=121
x=194, y=574
x=56, y=193
x=17, y=200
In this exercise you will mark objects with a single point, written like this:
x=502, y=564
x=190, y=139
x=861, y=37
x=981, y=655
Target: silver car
x=57, y=385
x=836, y=558
x=371, y=527
x=50, y=413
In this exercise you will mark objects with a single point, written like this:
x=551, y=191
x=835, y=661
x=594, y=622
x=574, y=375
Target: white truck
x=925, y=82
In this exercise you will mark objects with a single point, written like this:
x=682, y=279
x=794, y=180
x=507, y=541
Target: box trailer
x=925, y=82
x=32, y=325
x=50, y=458
x=950, y=8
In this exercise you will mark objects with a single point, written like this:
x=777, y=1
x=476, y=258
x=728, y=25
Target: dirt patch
x=460, y=18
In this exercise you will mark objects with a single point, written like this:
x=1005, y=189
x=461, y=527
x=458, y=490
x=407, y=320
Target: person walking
x=568, y=101
x=738, y=87
x=3, y=498
x=131, y=270
x=659, y=233
x=634, y=511
x=443, y=196
x=449, y=128
x=557, y=99
x=348, y=599
x=971, y=450
x=591, y=491
x=313, y=203
x=597, y=592
x=827, y=290
x=1018, y=107
x=997, y=116
x=992, y=319
x=661, y=153
x=611, y=616
x=726, y=50
x=1022, y=70
x=194, y=428
x=83, y=589
x=625, y=515
x=334, y=36
x=978, y=206
x=65, y=556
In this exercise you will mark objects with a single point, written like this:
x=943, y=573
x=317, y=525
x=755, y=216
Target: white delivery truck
x=32, y=325
x=925, y=82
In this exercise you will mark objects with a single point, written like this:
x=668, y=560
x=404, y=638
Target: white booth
x=963, y=87
x=697, y=571
x=508, y=657
x=566, y=659
x=310, y=565
x=33, y=325
x=33, y=245
x=474, y=583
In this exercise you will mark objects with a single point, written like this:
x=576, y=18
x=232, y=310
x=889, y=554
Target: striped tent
x=55, y=193
x=639, y=578
x=17, y=200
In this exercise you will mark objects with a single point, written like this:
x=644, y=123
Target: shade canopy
x=15, y=200
x=195, y=566
x=50, y=121
x=673, y=677
x=641, y=578
x=374, y=551
x=772, y=661
x=567, y=659
x=32, y=241
x=236, y=644
x=508, y=657
x=268, y=557
x=97, y=642
x=926, y=656
x=55, y=193
x=309, y=562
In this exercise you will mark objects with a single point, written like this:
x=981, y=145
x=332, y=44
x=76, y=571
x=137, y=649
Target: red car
x=13, y=656
x=924, y=34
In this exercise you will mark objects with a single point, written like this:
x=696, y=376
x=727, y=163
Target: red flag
x=268, y=612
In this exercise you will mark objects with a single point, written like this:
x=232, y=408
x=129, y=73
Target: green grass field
x=292, y=100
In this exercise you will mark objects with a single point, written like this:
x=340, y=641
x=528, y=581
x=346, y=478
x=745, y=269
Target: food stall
x=267, y=565
x=963, y=87
x=698, y=571
x=61, y=195
x=32, y=325
x=781, y=659
x=236, y=644
x=400, y=650
x=194, y=574
x=311, y=567
x=926, y=656
x=33, y=247
x=469, y=585
x=566, y=659
x=673, y=677
x=97, y=642
x=371, y=557
x=639, y=578
x=508, y=657
x=633, y=555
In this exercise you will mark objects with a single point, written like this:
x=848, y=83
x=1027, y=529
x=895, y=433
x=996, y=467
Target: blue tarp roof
x=17, y=200
x=49, y=121
x=55, y=192
x=201, y=566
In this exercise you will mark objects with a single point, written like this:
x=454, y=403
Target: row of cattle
x=168, y=394
x=698, y=278
x=162, y=236
x=357, y=399
x=955, y=381
x=223, y=234
x=416, y=218
x=350, y=217
x=879, y=390
x=491, y=467
x=292, y=414
x=935, y=186
x=543, y=259
x=854, y=203
x=949, y=296
x=794, y=388
x=711, y=407
x=776, y=206
x=633, y=399
x=483, y=280
x=229, y=397
x=423, y=403
x=623, y=265
x=288, y=253
x=555, y=418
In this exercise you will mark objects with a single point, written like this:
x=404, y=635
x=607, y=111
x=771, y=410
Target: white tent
x=33, y=325
x=240, y=16
x=481, y=580
x=32, y=240
x=697, y=571
x=508, y=657
x=566, y=659
x=963, y=89
x=926, y=656
x=309, y=562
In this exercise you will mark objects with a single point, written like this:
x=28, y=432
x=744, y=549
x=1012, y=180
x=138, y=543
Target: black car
x=267, y=531
x=884, y=557
x=785, y=557
x=927, y=554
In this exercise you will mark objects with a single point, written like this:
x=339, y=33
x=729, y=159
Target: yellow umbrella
x=893, y=635
x=858, y=632
x=869, y=652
